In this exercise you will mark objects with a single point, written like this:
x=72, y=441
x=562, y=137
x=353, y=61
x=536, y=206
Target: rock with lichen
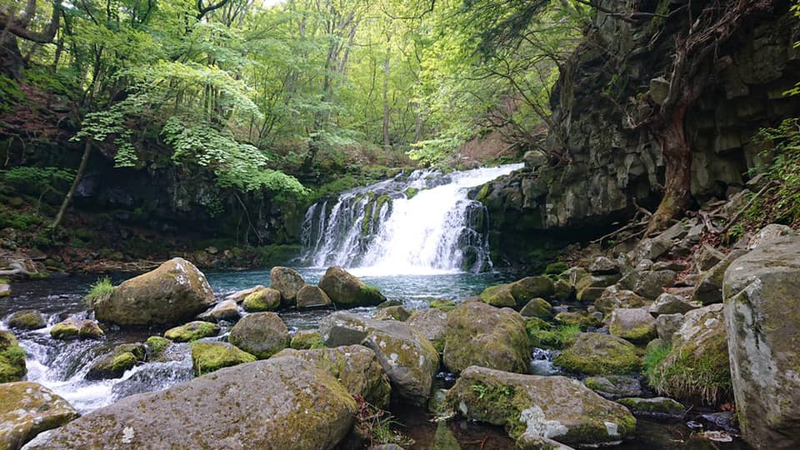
x=347, y=291
x=633, y=324
x=288, y=282
x=599, y=354
x=260, y=334
x=263, y=299
x=28, y=409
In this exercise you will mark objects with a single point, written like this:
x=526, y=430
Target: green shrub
x=99, y=289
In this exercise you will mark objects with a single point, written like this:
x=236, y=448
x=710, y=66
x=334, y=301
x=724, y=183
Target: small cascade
x=423, y=223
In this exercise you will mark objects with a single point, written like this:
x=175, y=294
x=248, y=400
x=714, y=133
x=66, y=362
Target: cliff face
x=598, y=168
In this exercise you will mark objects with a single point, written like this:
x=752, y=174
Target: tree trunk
x=387, y=142
x=87, y=150
x=678, y=164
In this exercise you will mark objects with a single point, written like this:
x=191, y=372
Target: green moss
x=556, y=268
x=445, y=305
x=210, y=356
x=411, y=192
x=581, y=319
x=191, y=331
x=123, y=362
x=12, y=358
x=544, y=335
x=65, y=330
x=307, y=340
x=499, y=296
x=27, y=319
x=599, y=354
x=262, y=300
x=157, y=344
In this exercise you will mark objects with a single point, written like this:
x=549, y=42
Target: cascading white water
x=422, y=224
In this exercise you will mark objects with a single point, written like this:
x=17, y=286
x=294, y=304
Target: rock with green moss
x=633, y=324
x=482, y=335
x=659, y=408
x=174, y=292
x=12, y=358
x=90, y=329
x=411, y=192
x=556, y=268
x=192, y=331
x=499, y=296
x=261, y=334
x=264, y=299
x=356, y=367
x=389, y=303
x=28, y=409
x=518, y=293
x=288, y=282
x=762, y=313
x=307, y=340
x=226, y=310
x=614, y=386
x=113, y=365
x=613, y=298
x=708, y=289
x=563, y=289
x=156, y=346
x=280, y=403
x=538, y=307
x=599, y=354
x=431, y=324
x=74, y=328
x=347, y=291
x=27, y=319
x=531, y=407
x=591, y=287
x=697, y=367
x=239, y=296
x=312, y=297
x=392, y=313
x=581, y=319
x=208, y=357
x=445, y=305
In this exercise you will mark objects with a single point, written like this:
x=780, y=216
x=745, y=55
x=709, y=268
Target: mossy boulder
x=174, y=292
x=356, y=367
x=633, y=324
x=613, y=298
x=12, y=358
x=156, y=346
x=347, y=291
x=580, y=319
x=226, y=310
x=27, y=319
x=306, y=340
x=312, y=297
x=392, y=313
x=670, y=304
x=444, y=305
x=90, y=329
x=239, y=296
x=192, y=331
x=563, y=290
x=260, y=334
x=264, y=299
x=66, y=329
x=708, y=289
x=538, y=307
x=591, y=287
x=599, y=354
x=432, y=325
x=113, y=365
x=288, y=282
x=482, y=335
x=518, y=293
x=208, y=357
x=28, y=409
x=556, y=268
x=280, y=403
x=534, y=407
x=614, y=386
x=659, y=408
x=499, y=296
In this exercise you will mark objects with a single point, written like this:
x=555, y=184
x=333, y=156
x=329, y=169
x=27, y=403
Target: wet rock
x=356, y=367
x=124, y=357
x=156, y=346
x=709, y=288
x=239, y=296
x=12, y=358
x=347, y=291
x=27, y=319
x=667, y=325
x=389, y=303
x=480, y=334
x=288, y=282
x=614, y=386
x=535, y=407
x=89, y=329
x=174, y=292
x=263, y=299
x=670, y=304
x=528, y=288
x=208, y=357
x=599, y=354
x=306, y=340
x=538, y=307
x=659, y=408
x=5, y=289
x=192, y=331
x=312, y=297
x=432, y=325
x=260, y=334
x=74, y=328
x=28, y=409
x=249, y=406
x=633, y=324
x=613, y=297
x=392, y=313
x=226, y=310
x=761, y=310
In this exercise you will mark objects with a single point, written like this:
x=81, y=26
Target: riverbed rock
x=697, y=366
x=532, y=407
x=603, y=266
x=659, y=408
x=563, y=289
x=482, y=335
x=356, y=367
x=12, y=358
x=192, y=331
x=288, y=282
x=27, y=319
x=670, y=304
x=174, y=292
x=208, y=357
x=262, y=299
x=633, y=324
x=432, y=325
x=347, y=291
x=614, y=386
x=613, y=297
x=591, y=287
x=90, y=329
x=239, y=296
x=667, y=325
x=580, y=319
x=708, y=289
x=529, y=288
x=66, y=329
x=28, y=409
x=392, y=313
x=260, y=334
x=769, y=233
x=312, y=297
x=278, y=403
x=123, y=357
x=306, y=340
x=538, y=307
x=226, y=310
x=599, y=354
x=651, y=284
x=762, y=315
x=156, y=346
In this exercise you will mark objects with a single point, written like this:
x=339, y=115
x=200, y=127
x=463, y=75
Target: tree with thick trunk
x=13, y=26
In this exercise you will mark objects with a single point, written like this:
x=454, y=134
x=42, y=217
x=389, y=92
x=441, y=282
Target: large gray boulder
x=534, y=407
x=260, y=334
x=173, y=293
x=28, y=409
x=288, y=282
x=479, y=334
x=278, y=403
x=345, y=290
x=762, y=314
x=432, y=324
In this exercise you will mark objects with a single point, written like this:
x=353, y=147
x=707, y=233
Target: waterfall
x=423, y=223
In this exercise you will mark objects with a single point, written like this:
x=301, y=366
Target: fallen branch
x=739, y=214
x=625, y=228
